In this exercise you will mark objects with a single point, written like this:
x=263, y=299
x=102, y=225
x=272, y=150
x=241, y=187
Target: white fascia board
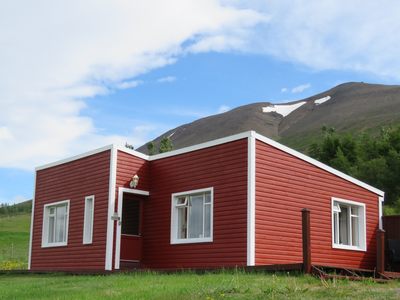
x=133, y=152
x=72, y=158
x=219, y=142
x=111, y=209
x=147, y=157
x=208, y=144
x=318, y=164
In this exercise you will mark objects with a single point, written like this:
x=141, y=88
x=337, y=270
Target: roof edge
x=227, y=139
x=75, y=157
x=318, y=164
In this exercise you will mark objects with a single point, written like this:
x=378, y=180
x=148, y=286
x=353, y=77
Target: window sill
x=346, y=247
x=54, y=245
x=191, y=241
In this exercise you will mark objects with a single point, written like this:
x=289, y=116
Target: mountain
x=349, y=107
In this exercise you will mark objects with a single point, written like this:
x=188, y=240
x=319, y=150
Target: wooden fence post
x=305, y=213
x=380, y=251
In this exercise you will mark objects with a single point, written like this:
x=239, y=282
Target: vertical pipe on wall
x=306, y=230
x=380, y=251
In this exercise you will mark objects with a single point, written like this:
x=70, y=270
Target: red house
x=235, y=201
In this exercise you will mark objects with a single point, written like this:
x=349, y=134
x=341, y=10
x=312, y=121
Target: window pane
x=61, y=212
x=182, y=222
x=344, y=226
x=355, y=231
x=336, y=207
x=181, y=201
x=354, y=211
x=51, y=230
x=88, y=219
x=51, y=211
x=335, y=228
x=196, y=216
x=207, y=220
x=208, y=197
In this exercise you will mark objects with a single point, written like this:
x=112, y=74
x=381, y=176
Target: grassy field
x=14, y=241
x=223, y=285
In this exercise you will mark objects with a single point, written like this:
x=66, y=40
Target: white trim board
x=76, y=157
x=317, y=164
x=223, y=141
x=251, y=200
x=208, y=144
x=111, y=209
x=121, y=191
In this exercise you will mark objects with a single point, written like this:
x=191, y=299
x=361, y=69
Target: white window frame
x=361, y=225
x=88, y=240
x=45, y=226
x=174, y=217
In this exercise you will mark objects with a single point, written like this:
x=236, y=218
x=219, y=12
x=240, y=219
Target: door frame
x=121, y=191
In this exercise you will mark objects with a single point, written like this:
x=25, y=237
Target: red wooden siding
x=127, y=166
x=223, y=167
x=284, y=185
x=73, y=180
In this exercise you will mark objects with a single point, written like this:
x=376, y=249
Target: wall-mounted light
x=134, y=181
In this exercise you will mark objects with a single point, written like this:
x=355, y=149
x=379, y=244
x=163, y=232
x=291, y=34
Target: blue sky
x=71, y=82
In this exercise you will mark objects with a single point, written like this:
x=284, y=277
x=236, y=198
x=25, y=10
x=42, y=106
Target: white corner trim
x=133, y=191
x=45, y=243
x=363, y=237
x=111, y=209
x=381, y=200
x=251, y=200
x=88, y=240
x=208, y=144
x=32, y=217
x=76, y=157
x=121, y=191
x=317, y=163
x=174, y=225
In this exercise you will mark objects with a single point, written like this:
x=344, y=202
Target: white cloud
x=300, y=88
x=5, y=133
x=284, y=90
x=352, y=35
x=223, y=108
x=54, y=55
x=128, y=84
x=167, y=79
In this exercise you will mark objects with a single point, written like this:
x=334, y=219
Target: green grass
x=223, y=285
x=14, y=241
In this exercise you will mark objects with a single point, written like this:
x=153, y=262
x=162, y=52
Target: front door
x=131, y=229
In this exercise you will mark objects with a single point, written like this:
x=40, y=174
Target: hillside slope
x=349, y=107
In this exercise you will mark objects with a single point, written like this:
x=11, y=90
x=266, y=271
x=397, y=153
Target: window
x=348, y=225
x=55, y=224
x=88, y=220
x=192, y=216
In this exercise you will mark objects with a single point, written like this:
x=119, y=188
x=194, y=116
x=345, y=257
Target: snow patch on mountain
x=283, y=109
x=322, y=100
